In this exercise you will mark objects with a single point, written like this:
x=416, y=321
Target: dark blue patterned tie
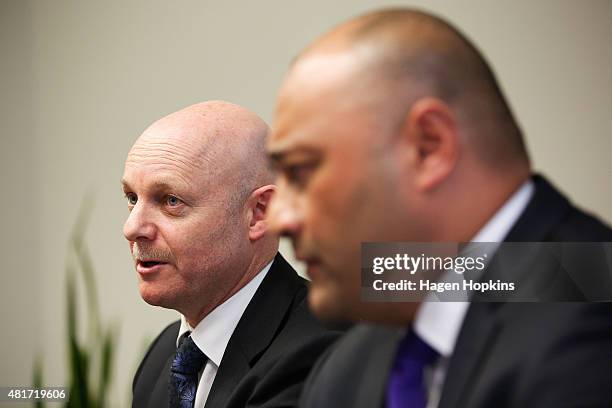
x=188, y=361
x=406, y=388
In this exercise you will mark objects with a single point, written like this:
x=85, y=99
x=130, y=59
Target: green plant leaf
x=100, y=344
x=71, y=309
x=86, y=266
x=37, y=379
x=108, y=351
x=79, y=390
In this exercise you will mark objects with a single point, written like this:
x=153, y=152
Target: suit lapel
x=475, y=339
x=379, y=360
x=546, y=210
x=482, y=322
x=159, y=396
x=233, y=368
x=255, y=330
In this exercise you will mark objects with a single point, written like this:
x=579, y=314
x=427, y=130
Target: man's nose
x=139, y=225
x=284, y=217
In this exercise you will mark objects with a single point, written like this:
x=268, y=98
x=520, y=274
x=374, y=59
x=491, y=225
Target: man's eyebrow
x=156, y=185
x=277, y=158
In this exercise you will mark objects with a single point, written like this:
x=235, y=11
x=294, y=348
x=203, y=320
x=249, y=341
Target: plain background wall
x=80, y=80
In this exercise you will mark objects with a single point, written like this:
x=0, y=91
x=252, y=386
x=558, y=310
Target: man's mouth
x=313, y=266
x=149, y=265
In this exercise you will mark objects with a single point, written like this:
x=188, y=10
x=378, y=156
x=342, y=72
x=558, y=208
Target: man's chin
x=328, y=306
x=154, y=297
x=339, y=307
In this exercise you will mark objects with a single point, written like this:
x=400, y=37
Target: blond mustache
x=145, y=253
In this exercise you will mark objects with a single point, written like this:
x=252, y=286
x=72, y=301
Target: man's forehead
x=150, y=149
x=320, y=73
x=336, y=80
x=295, y=129
x=158, y=176
x=154, y=182
x=313, y=105
x=177, y=130
x=155, y=161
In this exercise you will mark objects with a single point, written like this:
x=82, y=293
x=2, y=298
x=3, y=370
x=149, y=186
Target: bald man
x=198, y=189
x=392, y=127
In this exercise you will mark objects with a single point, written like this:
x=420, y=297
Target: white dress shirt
x=438, y=323
x=213, y=332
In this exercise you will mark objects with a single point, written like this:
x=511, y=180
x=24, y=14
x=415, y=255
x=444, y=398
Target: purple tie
x=406, y=388
x=187, y=363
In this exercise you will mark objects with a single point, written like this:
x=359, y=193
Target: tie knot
x=189, y=358
x=413, y=348
x=406, y=387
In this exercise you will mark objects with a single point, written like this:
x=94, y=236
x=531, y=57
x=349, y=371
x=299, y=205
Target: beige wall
x=81, y=79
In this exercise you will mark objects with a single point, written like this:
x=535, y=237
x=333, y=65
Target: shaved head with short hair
x=391, y=136
x=198, y=183
x=386, y=128
x=419, y=54
x=222, y=139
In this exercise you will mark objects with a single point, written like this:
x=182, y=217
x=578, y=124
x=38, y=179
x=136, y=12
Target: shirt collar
x=438, y=323
x=213, y=332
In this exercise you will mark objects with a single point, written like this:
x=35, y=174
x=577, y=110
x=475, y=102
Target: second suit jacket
x=267, y=358
x=506, y=354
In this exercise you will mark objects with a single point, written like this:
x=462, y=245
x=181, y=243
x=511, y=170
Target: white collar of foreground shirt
x=213, y=332
x=438, y=323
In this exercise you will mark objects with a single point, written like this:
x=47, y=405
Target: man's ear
x=432, y=131
x=258, y=204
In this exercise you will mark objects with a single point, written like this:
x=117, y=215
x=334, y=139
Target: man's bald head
x=222, y=140
x=389, y=128
x=410, y=55
x=198, y=186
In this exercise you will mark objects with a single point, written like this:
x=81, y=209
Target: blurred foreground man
x=198, y=189
x=392, y=128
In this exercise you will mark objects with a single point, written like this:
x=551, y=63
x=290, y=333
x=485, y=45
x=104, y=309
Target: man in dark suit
x=392, y=128
x=198, y=188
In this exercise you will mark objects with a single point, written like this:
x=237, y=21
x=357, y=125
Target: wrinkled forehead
x=152, y=163
x=176, y=152
x=187, y=131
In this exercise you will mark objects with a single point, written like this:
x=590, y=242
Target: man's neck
x=256, y=265
x=476, y=203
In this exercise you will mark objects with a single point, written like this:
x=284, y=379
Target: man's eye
x=299, y=174
x=132, y=198
x=173, y=201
